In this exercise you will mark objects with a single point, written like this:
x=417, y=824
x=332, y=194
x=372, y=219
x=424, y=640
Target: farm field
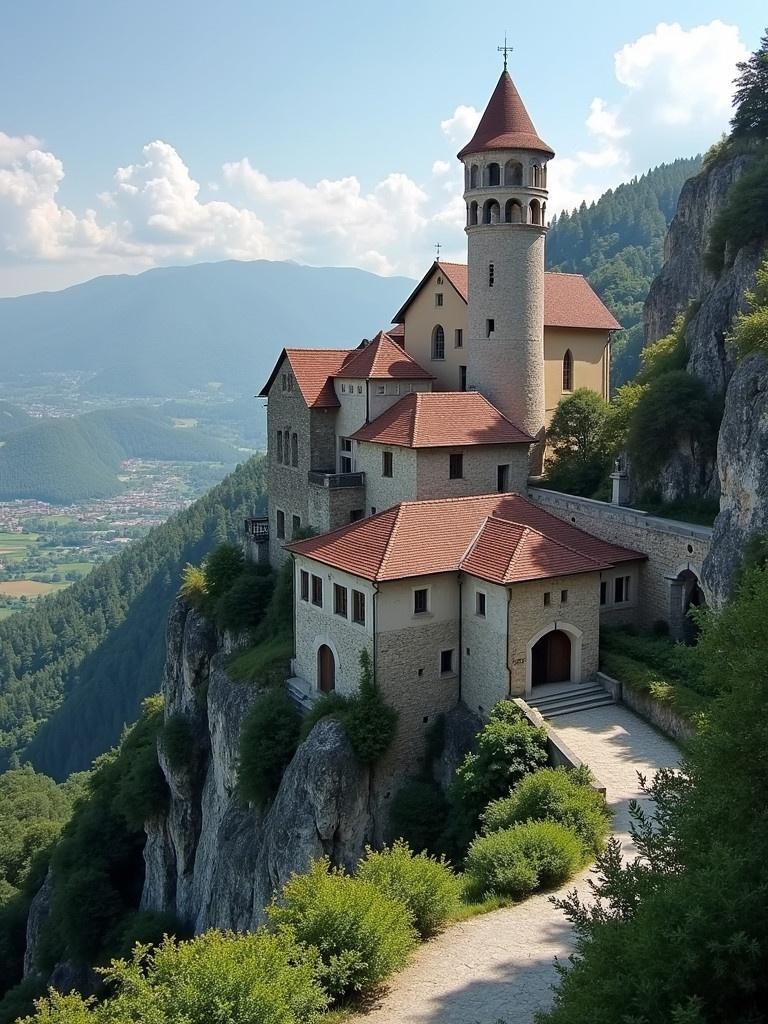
x=28, y=588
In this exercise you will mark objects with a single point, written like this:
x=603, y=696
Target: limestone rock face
x=212, y=860
x=742, y=456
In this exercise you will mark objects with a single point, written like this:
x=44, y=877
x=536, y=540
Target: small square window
x=563, y=597
x=295, y=526
x=490, y=327
x=420, y=672
x=339, y=600
x=547, y=598
x=373, y=510
x=438, y=298
x=458, y=337
x=446, y=662
x=456, y=467
x=603, y=592
x=420, y=603
x=480, y=603
x=281, y=524
x=358, y=607
x=356, y=515
x=317, y=591
x=304, y=585
x=386, y=463
x=381, y=389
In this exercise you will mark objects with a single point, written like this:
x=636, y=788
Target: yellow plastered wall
x=591, y=359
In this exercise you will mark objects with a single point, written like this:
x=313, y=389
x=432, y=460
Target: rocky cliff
x=739, y=475
x=211, y=859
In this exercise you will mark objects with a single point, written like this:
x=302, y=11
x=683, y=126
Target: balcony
x=336, y=480
x=257, y=528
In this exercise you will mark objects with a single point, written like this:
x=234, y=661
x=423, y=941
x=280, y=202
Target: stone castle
x=408, y=458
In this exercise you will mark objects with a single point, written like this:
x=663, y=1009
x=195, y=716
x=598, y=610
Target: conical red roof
x=505, y=123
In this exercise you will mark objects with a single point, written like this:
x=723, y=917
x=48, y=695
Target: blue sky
x=324, y=133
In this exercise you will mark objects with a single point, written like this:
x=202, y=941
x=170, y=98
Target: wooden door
x=559, y=657
x=326, y=669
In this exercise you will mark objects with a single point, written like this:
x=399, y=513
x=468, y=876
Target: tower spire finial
x=438, y=247
x=505, y=50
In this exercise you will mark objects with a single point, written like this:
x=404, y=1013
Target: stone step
x=580, y=692
x=300, y=693
x=587, y=705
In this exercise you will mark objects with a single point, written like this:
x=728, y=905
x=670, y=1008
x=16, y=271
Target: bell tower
x=505, y=190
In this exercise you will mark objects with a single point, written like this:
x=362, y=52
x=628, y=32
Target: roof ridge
x=521, y=539
x=473, y=542
x=415, y=424
x=555, y=540
x=391, y=539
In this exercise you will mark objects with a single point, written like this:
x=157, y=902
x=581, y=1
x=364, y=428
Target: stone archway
x=554, y=655
x=685, y=593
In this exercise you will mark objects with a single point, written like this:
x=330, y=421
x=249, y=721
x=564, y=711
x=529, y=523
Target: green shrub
x=428, y=887
x=553, y=794
x=141, y=792
x=147, y=927
x=194, y=586
x=370, y=722
x=178, y=741
x=418, y=815
x=330, y=705
x=21, y=998
x=268, y=741
x=508, y=748
x=222, y=567
x=361, y=935
x=750, y=328
x=519, y=860
x=244, y=604
x=744, y=218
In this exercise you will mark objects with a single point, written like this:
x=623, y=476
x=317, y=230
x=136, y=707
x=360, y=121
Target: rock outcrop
x=211, y=859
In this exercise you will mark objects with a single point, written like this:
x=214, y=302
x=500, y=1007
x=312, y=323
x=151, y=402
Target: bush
x=508, y=748
x=141, y=792
x=553, y=794
x=194, y=586
x=418, y=815
x=519, y=860
x=428, y=887
x=147, y=927
x=177, y=741
x=330, y=705
x=245, y=602
x=268, y=741
x=222, y=567
x=361, y=935
x=370, y=722
x=750, y=328
x=577, y=439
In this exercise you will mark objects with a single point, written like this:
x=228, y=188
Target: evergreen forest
x=618, y=244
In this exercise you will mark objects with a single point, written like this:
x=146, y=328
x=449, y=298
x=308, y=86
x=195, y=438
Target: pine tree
x=751, y=95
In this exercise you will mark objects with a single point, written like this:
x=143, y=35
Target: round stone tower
x=505, y=189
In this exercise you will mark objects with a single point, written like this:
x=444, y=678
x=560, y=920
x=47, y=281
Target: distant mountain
x=12, y=418
x=618, y=243
x=169, y=330
x=69, y=459
x=74, y=669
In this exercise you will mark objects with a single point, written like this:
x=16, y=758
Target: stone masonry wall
x=480, y=466
x=671, y=546
x=382, y=492
x=484, y=677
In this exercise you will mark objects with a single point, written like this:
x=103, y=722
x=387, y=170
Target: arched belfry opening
x=491, y=212
x=513, y=173
x=493, y=174
x=473, y=212
x=473, y=171
x=535, y=208
x=513, y=212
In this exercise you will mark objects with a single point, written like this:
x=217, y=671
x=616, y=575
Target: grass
x=28, y=588
x=699, y=512
x=5, y=612
x=254, y=663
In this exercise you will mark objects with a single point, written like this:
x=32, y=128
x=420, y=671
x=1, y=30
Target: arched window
x=473, y=176
x=438, y=342
x=473, y=213
x=535, y=209
x=513, y=212
x=294, y=450
x=543, y=213
x=491, y=212
x=544, y=176
x=535, y=175
x=493, y=174
x=568, y=371
x=513, y=172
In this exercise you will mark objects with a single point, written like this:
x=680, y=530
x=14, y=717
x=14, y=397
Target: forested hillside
x=618, y=243
x=74, y=669
x=12, y=418
x=69, y=459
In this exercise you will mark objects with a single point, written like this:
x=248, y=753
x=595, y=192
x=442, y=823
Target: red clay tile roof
x=505, y=124
x=397, y=332
x=417, y=538
x=438, y=419
x=569, y=299
x=383, y=358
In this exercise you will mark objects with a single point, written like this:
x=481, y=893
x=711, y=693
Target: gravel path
x=499, y=967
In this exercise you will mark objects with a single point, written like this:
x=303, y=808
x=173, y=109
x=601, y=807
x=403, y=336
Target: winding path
x=499, y=967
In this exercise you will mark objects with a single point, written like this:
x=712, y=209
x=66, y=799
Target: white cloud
x=460, y=126
x=440, y=167
x=604, y=122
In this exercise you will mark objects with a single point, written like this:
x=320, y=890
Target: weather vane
x=438, y=247
x=505, y=50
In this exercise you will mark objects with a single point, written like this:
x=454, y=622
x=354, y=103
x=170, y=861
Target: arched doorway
x=326, y=669
x=551, y=658
x=685, y=595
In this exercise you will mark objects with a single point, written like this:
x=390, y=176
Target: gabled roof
x=315, y=368
x=569, y=299
x=383, y=358
x=417, y=538
x=438, y=419
x=505, y=124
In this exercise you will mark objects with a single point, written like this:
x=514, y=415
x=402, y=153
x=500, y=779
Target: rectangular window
x=295, y=526
x=359, y=389
x=458, y=337
x=502, y=479
x=294, y=449
x=563, y=597
x=358, y=607
x=603, y=592
x=462, y=378
x=438, y=298
x=455, y=467
x=317, y=591
x=356, y=514
x=547, y=598
x=490, y=327
x=480, y=603
x=621, y=590
x=446, y=662
x=304, y=585
x=279, y=446
x=343, y=389
x=285, y=382
x=420, y=603
x=290, y=382
x=386, y=463
x=339, y=600
x=281, y=524
x=345, y=457
x=373, y=510
x=491, y=274
x=381, y=389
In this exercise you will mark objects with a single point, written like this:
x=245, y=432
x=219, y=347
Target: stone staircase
x=301, y=693
x=570, y=699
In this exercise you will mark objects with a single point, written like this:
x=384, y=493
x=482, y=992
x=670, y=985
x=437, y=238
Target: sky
x=168, y=132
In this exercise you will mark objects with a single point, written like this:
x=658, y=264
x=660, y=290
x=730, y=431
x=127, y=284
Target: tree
x=751, y=96
x=578, y=441
x=750, y=329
